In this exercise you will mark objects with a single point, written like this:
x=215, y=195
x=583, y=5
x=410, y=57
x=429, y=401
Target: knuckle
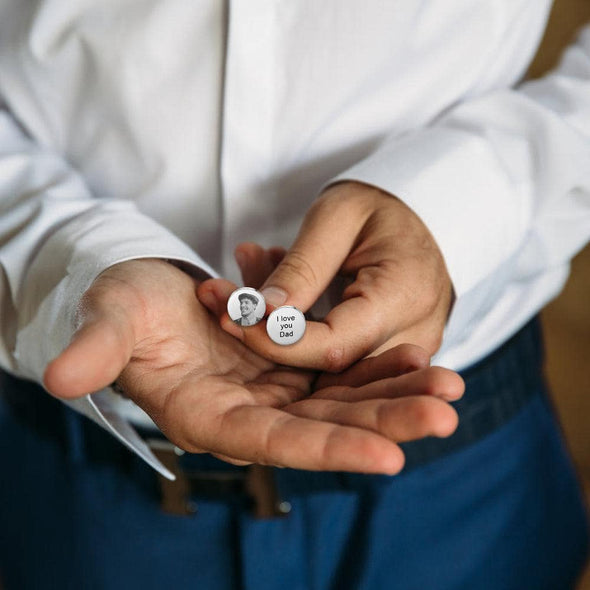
x=336, y=360
x=413, y=356
x=422, y=414
x=328, y=453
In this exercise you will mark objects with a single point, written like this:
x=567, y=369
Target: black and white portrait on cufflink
x=246, y=306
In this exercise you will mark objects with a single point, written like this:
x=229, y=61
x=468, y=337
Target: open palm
x=142, y=324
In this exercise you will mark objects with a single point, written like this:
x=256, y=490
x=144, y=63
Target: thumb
x=98, y=352
x=327, y=235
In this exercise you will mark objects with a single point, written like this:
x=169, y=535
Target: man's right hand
x=141, y=324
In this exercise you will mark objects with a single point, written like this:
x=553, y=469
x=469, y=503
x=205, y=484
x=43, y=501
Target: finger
x=326, y=237
x=214, y=293
x=354, y=329
x=433, y=381
x=350, y=331
x=97, y=354
x=400, y=420
x=226, y=458
x=427, y=334
x=232, y=460
x=255, y=263
x=272, y=437
x=277, y=253
x=320, y=348
x=404, y=358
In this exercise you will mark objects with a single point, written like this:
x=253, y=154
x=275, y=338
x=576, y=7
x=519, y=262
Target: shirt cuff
x=79, y=251
x=454, y=182
x=98, y=408
x=76, y=254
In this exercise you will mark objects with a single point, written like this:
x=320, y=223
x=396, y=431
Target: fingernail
x=274, y=295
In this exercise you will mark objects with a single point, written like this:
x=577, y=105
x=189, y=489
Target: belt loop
x=174, y=495
x=262, y=488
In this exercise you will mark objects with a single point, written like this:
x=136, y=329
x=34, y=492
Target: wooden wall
x=567, y=319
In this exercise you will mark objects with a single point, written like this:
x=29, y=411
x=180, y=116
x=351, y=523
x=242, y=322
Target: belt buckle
x=256, y=483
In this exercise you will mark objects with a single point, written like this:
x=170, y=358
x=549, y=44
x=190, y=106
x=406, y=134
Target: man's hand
x=398, y=288
x=142, y=325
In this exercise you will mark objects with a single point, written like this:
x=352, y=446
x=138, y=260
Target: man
x=248, y=304
x=385, y=147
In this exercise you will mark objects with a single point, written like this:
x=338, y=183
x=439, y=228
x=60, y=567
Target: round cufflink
x=246, y=306
x=285, y=325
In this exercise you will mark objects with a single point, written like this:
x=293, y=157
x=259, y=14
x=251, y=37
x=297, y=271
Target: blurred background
x=567, y=319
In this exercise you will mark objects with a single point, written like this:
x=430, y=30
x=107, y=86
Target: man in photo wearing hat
x=248, y=306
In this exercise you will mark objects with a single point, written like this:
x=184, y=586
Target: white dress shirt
x=179, y=128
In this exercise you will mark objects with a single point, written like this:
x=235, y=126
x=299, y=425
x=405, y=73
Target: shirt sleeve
x=55, y=238
x=502, y=180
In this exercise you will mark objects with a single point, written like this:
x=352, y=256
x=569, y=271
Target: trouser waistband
x=496, y=388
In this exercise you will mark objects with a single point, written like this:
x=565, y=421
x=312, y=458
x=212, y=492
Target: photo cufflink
x=246, y=306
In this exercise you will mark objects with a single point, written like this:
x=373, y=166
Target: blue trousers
x=500, y=511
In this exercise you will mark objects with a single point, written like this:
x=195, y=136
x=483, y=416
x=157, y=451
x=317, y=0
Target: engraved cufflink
x=246, y=306
x=285, y=325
